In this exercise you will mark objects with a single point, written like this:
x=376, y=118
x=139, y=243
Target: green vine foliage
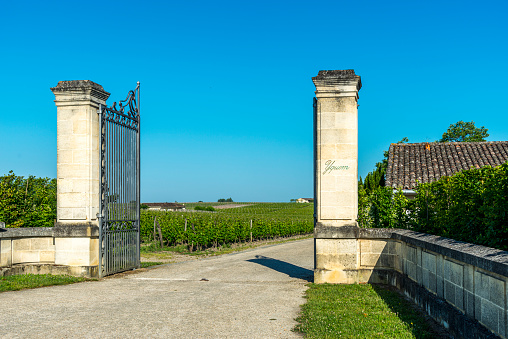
x=27, y=202
x=470, y=206
x=205, y=230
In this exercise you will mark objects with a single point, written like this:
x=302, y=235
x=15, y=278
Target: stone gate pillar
x=78, y=171
x=336, y=173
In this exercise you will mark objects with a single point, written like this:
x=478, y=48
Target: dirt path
x=223, y=207
x=250, y=294
x=168, y=257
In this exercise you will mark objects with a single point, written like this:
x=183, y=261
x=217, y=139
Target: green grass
x=360, y=311
x=146, y=264
x=24, y=281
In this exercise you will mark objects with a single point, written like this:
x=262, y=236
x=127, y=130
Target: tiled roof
x=428, y=162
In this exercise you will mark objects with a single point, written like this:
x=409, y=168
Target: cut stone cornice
x=90, y=90
x=337, y=83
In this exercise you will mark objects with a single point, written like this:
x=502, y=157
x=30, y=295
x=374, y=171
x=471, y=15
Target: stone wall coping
x=72, y=231
x=26, y=232
x=487, y=258
x=333, y=232
x=76, y=230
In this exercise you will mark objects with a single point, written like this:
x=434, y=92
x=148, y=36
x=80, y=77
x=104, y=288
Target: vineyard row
x=204, y=230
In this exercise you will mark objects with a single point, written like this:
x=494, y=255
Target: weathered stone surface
x=78, y=155
x=78, y=171
x=331, y=232
x=486, y=258
x=336, y=148
x=76, y=230
x=346, y=73
x=88, y=272
x=27, y=232
x=77, y=87
x=76, y=84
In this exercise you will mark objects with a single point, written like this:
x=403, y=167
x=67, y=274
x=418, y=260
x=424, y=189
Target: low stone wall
x=52, y=250
x=462, y=286
x=26, y=245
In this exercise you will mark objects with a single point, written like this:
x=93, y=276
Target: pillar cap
x=337, y=83
x=67, y=90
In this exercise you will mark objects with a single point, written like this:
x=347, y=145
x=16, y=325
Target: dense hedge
x=27, y=202
x=471, y=206
x=206, y=229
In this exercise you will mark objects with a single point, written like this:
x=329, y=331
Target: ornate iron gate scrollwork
x=119, y=217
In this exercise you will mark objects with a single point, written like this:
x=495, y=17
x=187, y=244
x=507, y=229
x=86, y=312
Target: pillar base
x=336, y=254
x=76, y=244
x=76, y=271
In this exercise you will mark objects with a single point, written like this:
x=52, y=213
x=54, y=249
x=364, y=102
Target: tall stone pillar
x=336, y=173
x=78, y=172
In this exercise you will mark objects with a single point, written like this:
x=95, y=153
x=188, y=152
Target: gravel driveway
x=250, y=294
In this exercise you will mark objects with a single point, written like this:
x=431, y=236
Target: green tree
x=11, y=200
x=376, y=178
x=29, y=202
x=464, y=132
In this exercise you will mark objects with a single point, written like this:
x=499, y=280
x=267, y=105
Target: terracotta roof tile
x=409, y=164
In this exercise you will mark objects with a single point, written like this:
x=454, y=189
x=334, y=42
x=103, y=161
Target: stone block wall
x=51, y=250
x=26, y=245
x=462, y=286
x=33, y=250
x=336, y=147
x=78, y=154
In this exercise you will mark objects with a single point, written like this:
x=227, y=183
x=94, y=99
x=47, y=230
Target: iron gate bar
x=119, y=217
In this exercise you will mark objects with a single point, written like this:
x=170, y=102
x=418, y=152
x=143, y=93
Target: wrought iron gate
x=119, y=218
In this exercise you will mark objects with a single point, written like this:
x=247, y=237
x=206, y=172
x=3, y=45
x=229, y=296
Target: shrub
x=29, y=202
x=470, y=206
x=204, y=208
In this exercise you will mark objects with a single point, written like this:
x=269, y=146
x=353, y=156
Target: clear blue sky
x=226, y=85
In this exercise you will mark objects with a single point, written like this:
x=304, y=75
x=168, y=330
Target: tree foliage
x=225, y=200
x=376, y=178
x=464, y=132
x=204, y=208
x=29, y=202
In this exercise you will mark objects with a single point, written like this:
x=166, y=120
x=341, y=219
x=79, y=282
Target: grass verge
x=24, y=281
x=146, y=264
x=360, y=311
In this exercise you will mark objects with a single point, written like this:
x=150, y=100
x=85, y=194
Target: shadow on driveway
x=284, y=267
